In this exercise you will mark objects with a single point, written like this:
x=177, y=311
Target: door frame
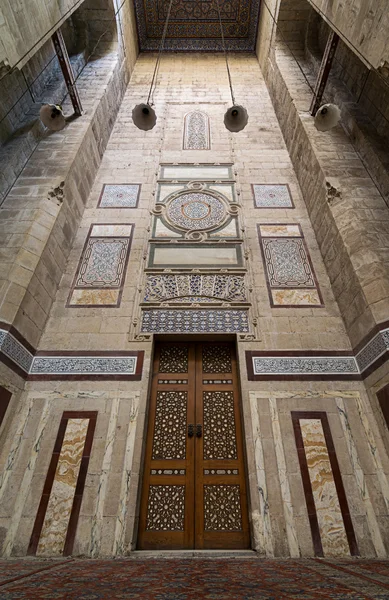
x=171, y=338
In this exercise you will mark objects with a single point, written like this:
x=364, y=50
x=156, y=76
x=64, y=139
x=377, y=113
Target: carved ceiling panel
x=194, y=25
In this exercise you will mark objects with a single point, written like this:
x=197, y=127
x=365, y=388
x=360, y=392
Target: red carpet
x=190, y=578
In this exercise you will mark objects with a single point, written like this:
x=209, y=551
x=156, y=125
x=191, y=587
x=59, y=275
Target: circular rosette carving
x=196, y=210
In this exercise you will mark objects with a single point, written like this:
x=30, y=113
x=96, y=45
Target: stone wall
x=259, y=154
x=25, y=26
x=363, y=26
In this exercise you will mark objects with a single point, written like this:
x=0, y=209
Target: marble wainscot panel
x=125, y=195
x=102, y=267
x=331, y=526
x=56, y=521
x=196, y=131
x=267, y=195
x=290, y=277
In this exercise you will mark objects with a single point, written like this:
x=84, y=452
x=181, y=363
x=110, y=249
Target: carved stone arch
x=197, y=131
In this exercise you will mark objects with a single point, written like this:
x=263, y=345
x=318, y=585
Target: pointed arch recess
x=196, y=131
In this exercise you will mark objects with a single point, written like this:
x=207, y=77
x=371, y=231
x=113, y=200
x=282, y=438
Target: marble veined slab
x=329, y=515
x=55, y=525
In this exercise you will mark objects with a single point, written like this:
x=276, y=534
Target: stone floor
x=188, y=577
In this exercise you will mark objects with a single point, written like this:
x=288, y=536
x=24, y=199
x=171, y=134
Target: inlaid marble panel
x=190, y=172
x=103, y=263
x=191, y=321
x=196, y=131
x=55, y=525
x=95, y=297
x=272, y=196
x=329, y=515
x=196, y=210
x=295, y=297
x=194, y=256
x=279, y=230
x=119, y=196
x=287, y=263
x=100, y=276
x=289, y=272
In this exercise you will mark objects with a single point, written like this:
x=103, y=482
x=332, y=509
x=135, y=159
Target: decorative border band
x=125, y=365
x=21, y=357
x=336, y=365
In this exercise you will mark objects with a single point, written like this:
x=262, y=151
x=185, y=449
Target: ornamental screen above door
x=194, y=489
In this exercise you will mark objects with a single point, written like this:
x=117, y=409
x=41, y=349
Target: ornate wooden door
x=194, y=488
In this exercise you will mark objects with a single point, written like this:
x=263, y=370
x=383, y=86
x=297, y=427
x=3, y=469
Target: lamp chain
x=160, y=49
x=225, y=52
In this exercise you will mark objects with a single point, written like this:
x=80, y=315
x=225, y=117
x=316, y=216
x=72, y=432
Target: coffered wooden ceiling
x=194, y=25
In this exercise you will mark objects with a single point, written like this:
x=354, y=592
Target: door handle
x=199, y=430
x=190, y=430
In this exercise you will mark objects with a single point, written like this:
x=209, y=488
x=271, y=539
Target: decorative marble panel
x=52, y=538
x=277, y=230
x=328, y=511
x=102, y=266
x=222, y=509
x=289, y=272
x=195, y=288
x=296, y=297
x=193, y=256
x=193, y=321
x=196, y=172
x=166, y=508
x=103, y=263
x=272, y=196
x=119, y=196
x=287, y=263
x=374, y=349
x=83, y=365
x=15, y=351
x=303, y=365
x=196, y=211
x=56, y=521
x=196, y=131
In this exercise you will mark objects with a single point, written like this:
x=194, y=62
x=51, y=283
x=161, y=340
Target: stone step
x=179, y=554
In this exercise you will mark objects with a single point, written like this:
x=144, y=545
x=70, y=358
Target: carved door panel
x=194, y=490
x=221, y=501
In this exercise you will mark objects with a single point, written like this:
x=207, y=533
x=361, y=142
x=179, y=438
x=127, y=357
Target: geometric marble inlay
x=195, y=211
x=191, y=321
x=272, y=196
x=102, y=266
x=287, y=263
x=196, y=131
x=119, y=196
x=289, y=272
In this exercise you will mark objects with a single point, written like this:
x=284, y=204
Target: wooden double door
x=194, y=488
